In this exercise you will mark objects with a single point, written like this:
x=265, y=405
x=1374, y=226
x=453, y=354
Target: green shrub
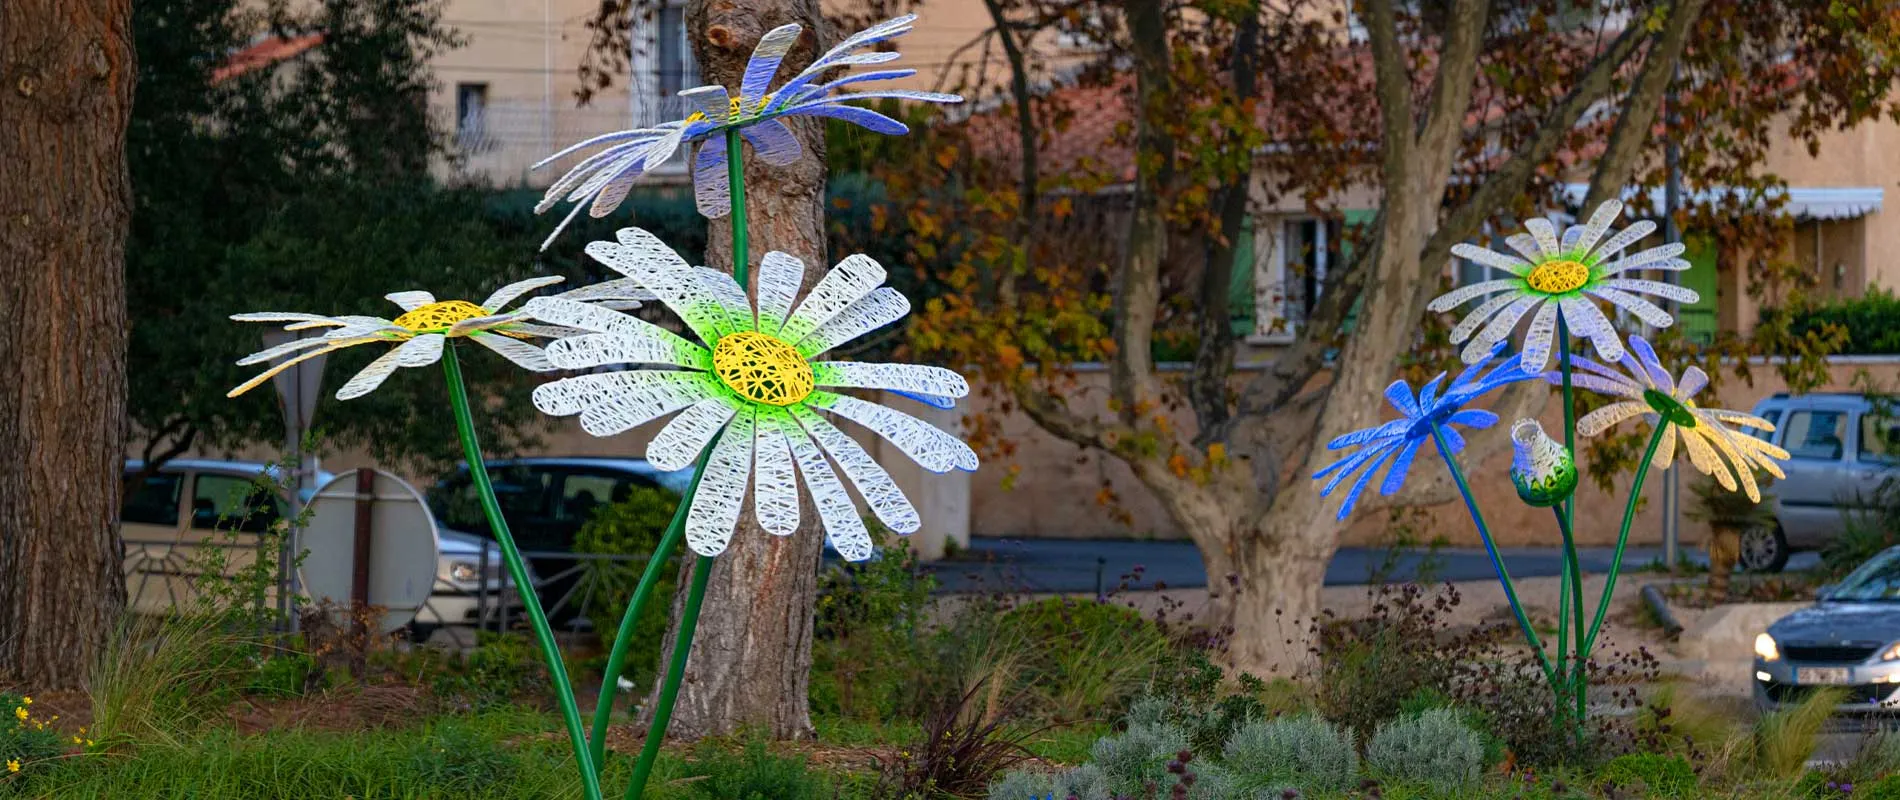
x=1435, y=747
x=1138, y=757
x=462, y=761
x=1022, y=785
x=284, y=675
x=1878, y=756
x=1887, y=788
x=629, y=526
x=28, y=743
x=870, y=647
x=1785, y=738
x=1872, y=321
x=1653, y=774
x=1300, y=751
x=755, y=774
x=1193, y=693
x=501, y=668
x=1371, y=667
x=1092, y=656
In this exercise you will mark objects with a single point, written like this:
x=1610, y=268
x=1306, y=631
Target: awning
x=1804, y=202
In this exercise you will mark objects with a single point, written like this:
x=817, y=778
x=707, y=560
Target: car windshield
x=1876, y=581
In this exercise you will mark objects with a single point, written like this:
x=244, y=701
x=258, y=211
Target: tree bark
x=66, y=76
x=1137, y=298
x=1214, y=353
x=751, y=660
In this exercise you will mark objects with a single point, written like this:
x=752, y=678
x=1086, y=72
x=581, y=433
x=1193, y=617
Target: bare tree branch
x=1633, y=127
x=1214, y=354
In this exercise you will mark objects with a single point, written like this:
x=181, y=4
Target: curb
x=1659, y=605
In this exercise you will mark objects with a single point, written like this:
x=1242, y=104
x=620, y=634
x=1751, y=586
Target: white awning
x=1804, y=202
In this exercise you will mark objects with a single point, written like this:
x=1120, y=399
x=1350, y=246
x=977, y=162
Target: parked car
x=190, y=504
x=1841, y=448
x=1850, y=638
x=546, y=500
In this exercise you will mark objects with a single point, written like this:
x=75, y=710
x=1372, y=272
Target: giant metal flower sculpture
x=1649, y=391
x=420, y=331
x=1562, y=274
x=755, y=379
x=1421, y=413
x=602, y=180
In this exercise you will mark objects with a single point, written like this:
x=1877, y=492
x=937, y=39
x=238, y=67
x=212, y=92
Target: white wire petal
x=1539, y=337
x=418, y=352
x=276, y=351
x=1526, y=245
x=1501, y=326
x=1680, y=294
x=780, y=276
x=1593, y=230
x=610, y=403
x=1622, y=239
x=605, y=293
x=1644, y=310
x=1470, y=323
x=330, y=347
x=716, y=506
x=284, y=316
x=1704, y=458
x=1586, y=320
x=844, y=529
x=1463, y=294
x=925, y=443
x=411, y=301
x=775, y=494
x=656, y=152
x=1666, y=450
x=591, y=317
x=917, y=378
x=1545, y=232
x=680, y=288
x=465, y=327
x=872, y=311
x=1693, y=380
x=602, y=349
x=874, y=484
x=1744, y=471
x=507, y=294
x=854, y=277
x=524, y=355
x=681, y=439
x=1491, y=258
x=730, y=305
x=1609, y=417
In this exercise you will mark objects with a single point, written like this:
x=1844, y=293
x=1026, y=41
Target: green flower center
x=1669, y=409
x=1558, y=277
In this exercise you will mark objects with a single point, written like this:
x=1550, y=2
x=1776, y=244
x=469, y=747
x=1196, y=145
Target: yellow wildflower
x=20, y=711
x=27, y=700
x=13, y=765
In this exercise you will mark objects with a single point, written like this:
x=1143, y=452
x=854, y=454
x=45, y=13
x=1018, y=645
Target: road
x=1089, y=565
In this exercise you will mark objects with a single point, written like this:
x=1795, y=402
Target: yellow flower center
x=737, y=105
x=436, y=316
x=1557, y=277
x=762, y=369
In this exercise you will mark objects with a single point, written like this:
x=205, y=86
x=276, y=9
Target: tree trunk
x=66, y=75
x=751, y=661
x=1725, y=548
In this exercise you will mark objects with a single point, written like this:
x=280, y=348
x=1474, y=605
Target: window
x=154, y=502
x=1291, y=275
x=1774, y=418
x=582, y=493
x=227, y=502
x=1816, y=434
x=471, y=115
x=677, y=68
x=1879, y=439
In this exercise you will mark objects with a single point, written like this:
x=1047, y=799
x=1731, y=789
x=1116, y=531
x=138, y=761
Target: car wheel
x=1764, y=549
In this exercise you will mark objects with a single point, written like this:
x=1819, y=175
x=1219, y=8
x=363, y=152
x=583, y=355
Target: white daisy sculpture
x=602, y=180
x=1563, y=274
x=421, y=330
x=754, y=385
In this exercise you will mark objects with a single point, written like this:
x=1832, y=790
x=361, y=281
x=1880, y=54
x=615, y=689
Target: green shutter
x=1240, y=297
x=1354, y=218
x=1698, y=319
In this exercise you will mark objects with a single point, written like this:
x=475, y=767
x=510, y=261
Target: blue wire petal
x=712, y=190
x=773, y=142
x=1359, y=486
x=1395, y=477
x=1453, y=439
x=1652, y=364
x=1430, y=392
x=862, y=117
x=1350, y=464
x=763, y=65
x=1363, y=435
x=1474, y=418
x=1399, y=394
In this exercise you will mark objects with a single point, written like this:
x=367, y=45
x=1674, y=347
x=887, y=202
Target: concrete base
x=1727, y=632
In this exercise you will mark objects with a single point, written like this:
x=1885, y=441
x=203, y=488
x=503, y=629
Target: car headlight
x=1892, y=654
x=464, y=571
x=1766, y=649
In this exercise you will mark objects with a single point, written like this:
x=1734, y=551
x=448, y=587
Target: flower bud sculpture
x=1543, y=472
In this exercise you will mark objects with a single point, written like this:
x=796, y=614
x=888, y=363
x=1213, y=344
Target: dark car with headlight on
x=1849, y=638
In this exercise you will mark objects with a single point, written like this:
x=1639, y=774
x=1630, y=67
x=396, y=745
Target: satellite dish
x=401, y=549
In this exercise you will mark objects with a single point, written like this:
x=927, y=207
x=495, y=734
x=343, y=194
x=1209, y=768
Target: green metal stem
x=623, y=639
x=1563, y=612
x=669, y=691
x=1497, y=562
x=1578, y=676
x=518, y=571
x=1623, y=534
x=735, y=177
